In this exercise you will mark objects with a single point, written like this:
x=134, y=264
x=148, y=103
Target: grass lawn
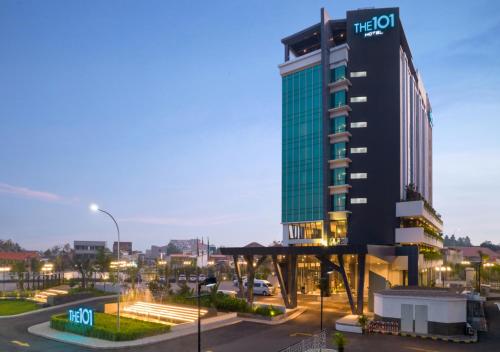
x=16, y=306
x=105, y=327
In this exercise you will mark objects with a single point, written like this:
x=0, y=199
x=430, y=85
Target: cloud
x=30, y=193
x=188, y=221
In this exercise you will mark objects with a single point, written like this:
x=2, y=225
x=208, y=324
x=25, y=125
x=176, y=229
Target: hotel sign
x=81, y=316
x=375, y=26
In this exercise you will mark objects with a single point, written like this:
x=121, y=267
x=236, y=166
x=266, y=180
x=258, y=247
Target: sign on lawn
x=81, y=316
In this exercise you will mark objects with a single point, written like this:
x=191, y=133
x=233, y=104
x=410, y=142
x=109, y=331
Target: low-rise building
x=87, y=249
x=125, y=247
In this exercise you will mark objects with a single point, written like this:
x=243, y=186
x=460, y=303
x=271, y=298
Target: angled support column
x=361, y=282
x=413, y=266
x=279, y=274
x=346, y=283
x=250, y=277
x=292, y=274
x=238, y=277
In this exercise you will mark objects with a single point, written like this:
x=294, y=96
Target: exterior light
x=94, y=207
x=162, y=262
x=465, y=262
x=186, y=262
x=4, y=269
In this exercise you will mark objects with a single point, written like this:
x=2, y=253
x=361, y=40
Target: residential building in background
x=125, y=247
x=87, y=249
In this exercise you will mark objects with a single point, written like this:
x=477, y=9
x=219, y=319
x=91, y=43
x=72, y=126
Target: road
x=251, y=337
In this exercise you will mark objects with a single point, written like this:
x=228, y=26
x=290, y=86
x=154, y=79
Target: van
x=261, y=287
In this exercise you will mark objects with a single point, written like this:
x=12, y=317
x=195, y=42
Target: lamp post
x=322, y=287
x=95, y=208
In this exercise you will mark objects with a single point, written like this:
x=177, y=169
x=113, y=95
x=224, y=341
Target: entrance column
x=361, y=282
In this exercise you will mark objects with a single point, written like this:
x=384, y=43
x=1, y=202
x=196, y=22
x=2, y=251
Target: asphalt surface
x=251, y=337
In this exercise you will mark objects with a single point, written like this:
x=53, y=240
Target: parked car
x=202, y=277
x=192, y=278
x=171, y=279
x=181, y=277
x=261, y=287
x=228, y=292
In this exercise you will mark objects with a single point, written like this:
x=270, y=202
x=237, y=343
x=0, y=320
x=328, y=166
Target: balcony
x=340, y=110
x=340, y=84
x=417, y=235
x=339, y=189
x=337, y=137
x=341, y=162
x=417, y=209
x=339, y=213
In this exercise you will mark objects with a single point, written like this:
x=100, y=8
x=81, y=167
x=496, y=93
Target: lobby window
x=338, y=99
x=359, y=175
x=359, y=200
x=338, y=73
x=359, y=124
x=338, y=150
x=359, y=99
x=339, y=201
x=360, y=150
x=339, y=176
x=338, y=124
x=358, y=74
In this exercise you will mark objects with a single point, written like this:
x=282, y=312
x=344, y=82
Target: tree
x=85, y=267
x=9, y=246
x=102, y=261
x=490, y=245
x=19, y=268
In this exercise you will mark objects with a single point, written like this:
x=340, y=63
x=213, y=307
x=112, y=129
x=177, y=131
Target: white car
x=192, y=278
x=202, y=277
x=181, y=277
x=235, y=281
x=261, y=287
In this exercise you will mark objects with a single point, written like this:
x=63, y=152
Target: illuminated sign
x=375, y=26
x=81, y=316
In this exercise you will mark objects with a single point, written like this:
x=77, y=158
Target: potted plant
x=362, y=320
x=340, y=341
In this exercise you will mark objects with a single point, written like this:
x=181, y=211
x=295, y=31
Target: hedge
x=105, y=327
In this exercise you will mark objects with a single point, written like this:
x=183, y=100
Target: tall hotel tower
x=357, y=141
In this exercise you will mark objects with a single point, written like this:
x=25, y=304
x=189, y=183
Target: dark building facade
x=357, y=136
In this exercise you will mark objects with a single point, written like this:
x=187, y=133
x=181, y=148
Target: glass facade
x=338, y=73
x=338, y=150
x=339, y=201
x=338, y=99
x=338, y=124
x=302, y=158
x=339, y=176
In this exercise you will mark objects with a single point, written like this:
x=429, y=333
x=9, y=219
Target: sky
x=168, y=115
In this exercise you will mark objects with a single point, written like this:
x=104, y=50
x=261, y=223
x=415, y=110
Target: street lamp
x=95, y=208
x=209, y=282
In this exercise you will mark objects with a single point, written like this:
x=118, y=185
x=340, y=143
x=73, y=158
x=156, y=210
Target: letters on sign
x=81, y=316
x=375, y=26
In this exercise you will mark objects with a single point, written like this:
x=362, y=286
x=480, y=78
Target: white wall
x=440, y=310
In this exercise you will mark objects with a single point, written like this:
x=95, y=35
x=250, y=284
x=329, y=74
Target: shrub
x=267, y=311
x=105, y=327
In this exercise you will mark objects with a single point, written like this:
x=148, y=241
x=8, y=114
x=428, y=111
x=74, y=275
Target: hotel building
x=356, y=158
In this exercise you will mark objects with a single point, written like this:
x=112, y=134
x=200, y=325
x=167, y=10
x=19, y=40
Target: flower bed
x=105, y=327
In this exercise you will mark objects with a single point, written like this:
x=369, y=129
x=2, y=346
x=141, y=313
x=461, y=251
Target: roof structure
x=18, y=256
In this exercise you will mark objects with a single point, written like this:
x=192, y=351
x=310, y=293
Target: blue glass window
x=338, y=73
x=339, y=176
x=338, y=99
x=338, y=124
x=338, y=150
x=338, y=201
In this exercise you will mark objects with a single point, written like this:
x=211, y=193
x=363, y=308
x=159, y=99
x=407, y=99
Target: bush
x=267, y=311
x=93, y=291
x=105, y=327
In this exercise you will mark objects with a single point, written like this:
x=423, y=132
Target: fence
x=383, y=326
x=312, y=343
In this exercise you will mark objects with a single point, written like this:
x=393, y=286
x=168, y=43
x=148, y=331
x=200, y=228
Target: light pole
x=95, y=208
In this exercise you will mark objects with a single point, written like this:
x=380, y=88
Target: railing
x=383, y=326
x=312, y=343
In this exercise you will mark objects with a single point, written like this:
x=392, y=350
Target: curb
x=294, y=315
x=44, y=330
x=42, y=310
x=430, y=337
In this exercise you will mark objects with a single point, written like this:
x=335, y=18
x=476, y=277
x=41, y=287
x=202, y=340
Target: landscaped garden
x=105, y=327
x=16, y=306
